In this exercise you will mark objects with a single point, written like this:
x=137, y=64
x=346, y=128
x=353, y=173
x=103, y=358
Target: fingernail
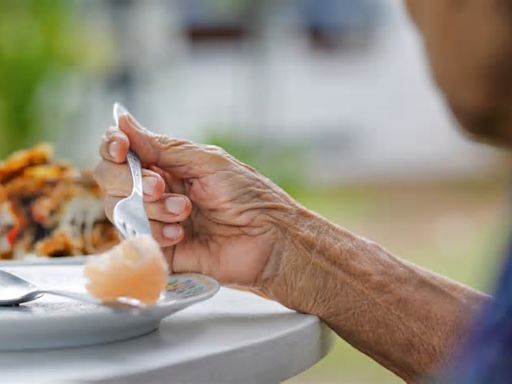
x=113, y=149
x=148, y=185
x=171, y=231
x=175, y=205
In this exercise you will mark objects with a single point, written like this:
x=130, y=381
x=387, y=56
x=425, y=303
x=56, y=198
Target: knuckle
x=164, y=143
x=217, y=152
x=214, y=149
x=113, y=132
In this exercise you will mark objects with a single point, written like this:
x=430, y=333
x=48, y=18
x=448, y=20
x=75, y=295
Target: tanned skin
x=469, y=44
x=214, y=215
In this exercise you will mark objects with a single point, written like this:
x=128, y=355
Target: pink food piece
x=135, y=268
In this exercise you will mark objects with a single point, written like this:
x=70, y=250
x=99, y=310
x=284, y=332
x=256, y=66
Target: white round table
x=234, y=337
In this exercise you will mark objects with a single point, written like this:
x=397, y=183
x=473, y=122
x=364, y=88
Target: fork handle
x=136, y=171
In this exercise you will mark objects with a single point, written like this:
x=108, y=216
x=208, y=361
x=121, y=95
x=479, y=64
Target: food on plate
x=21, y=160
x=50, y=208
x=136, y=268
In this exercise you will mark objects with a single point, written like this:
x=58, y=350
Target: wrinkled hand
x=210, y=213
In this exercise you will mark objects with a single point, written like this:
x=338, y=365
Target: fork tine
x=130, y=230
x=120, y=227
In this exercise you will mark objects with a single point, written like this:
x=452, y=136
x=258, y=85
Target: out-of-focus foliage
x=283, y=163
x=40, y=43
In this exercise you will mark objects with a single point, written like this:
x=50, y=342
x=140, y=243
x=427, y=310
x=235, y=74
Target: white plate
x=39, y=260
x=54, y=322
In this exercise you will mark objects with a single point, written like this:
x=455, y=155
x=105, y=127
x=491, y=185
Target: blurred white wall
x=370, y=113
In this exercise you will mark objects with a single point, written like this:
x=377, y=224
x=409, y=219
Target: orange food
x=39, y=154
x=50, y=208
x=136, y=268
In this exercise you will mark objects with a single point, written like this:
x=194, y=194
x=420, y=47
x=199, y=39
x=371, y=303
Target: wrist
x=296, y=271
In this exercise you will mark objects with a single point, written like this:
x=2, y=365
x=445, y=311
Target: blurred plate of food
x=50, y=210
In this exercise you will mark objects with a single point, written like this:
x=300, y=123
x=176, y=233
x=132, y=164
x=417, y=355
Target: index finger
x=114, y=145
x=182, y=158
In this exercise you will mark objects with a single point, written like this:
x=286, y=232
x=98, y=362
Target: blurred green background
x=42, y=44
x=330, y=99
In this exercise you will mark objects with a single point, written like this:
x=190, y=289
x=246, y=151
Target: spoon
x=14, y=290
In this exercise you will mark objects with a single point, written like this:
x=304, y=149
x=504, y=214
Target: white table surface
x=234, y=337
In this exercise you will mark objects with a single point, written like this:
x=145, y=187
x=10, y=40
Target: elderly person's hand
x=214, y=215
x=209, y=212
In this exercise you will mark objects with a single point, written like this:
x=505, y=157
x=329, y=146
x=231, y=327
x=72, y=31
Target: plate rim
x=158, y=311
x=45, y=261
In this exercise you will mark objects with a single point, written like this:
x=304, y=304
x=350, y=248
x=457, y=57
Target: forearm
x=404, y=317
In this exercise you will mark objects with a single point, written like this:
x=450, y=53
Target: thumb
x=141, y=140
x=182, y=158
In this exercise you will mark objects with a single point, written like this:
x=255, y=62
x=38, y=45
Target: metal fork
x=129, y=215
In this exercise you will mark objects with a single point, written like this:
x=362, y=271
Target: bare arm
x=406, y=318
x=239, y=227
